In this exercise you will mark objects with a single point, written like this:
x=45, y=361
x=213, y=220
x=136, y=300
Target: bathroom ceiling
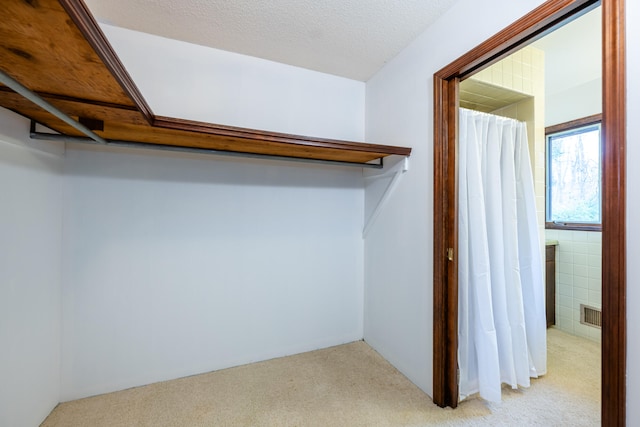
x=572, y=57
x=353, y=39
x=573, y=53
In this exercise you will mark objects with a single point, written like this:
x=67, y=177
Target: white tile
x=595, y=236
x=594, y=272
x=565, y=257
x=566, y=302
x=594, y=248
x=565, y=268
x=517, y=77
x=579, y=236
x=595, y=284
x=580, y=282
x=507, y=81
x=566, y=279
x=564, y=234
x=566, y=312
x=566, y=290
x=581, y=294
x=576, y=306
x=581, y=270
x=537, y=57
x=483, y=75
x=581, y=247
x=497, y=76
x=580, y=259
x=551, y=234
x=526, y=58
x=594, y=260
x=595, y=298
x=565, y=246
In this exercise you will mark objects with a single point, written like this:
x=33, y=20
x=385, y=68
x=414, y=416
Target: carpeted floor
x=348, y=385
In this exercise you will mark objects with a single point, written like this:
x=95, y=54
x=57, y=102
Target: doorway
x=542, y=20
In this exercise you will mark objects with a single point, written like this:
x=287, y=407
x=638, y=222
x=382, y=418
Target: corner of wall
x=30, y=290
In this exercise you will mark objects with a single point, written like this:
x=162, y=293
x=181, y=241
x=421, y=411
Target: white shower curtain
x=501, y=323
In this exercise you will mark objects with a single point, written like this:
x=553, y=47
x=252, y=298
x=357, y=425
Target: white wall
x=176, y=265
x=633, y=212
x=574, y=102
x=398, y=250
x=573, y=69
x=30, y=281
x=189, y=81
x=181, y=264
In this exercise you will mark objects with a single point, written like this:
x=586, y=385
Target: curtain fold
x=501, y=324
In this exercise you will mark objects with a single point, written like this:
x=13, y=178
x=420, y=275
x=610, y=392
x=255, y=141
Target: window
x=574, y=196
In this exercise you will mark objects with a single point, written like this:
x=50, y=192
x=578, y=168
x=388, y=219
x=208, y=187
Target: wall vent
x=590, y=316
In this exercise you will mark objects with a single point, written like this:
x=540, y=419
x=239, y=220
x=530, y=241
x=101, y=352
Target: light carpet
x=347, y=385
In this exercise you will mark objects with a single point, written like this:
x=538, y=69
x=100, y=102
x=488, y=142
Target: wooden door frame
x=542, y=20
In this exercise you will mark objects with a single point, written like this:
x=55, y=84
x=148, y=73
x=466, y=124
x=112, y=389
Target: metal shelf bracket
x=396, y=171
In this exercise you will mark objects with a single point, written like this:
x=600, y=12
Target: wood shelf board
x=42, y=48
x=57, y=50
x=127, y=125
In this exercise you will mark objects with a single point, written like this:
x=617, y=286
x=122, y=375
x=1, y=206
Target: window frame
x=564, y=127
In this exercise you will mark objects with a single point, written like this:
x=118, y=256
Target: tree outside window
x=574, y=177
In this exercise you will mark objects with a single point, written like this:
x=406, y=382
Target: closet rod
x=93, y=138
x=31, y=96
x=178, y=148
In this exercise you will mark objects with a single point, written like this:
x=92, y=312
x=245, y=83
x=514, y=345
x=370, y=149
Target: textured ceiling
x=349, y=38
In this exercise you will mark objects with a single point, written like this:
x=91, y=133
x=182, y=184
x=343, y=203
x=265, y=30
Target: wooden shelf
x=57, y=50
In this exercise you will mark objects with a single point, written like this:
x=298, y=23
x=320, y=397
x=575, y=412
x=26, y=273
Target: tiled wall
x=578, y=278
x=523, y=73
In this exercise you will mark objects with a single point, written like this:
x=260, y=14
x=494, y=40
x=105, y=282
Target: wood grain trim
x=445, y=320
x=572, y=226
x=58, y=97
x=440, y=318
x=451, y=391
x=237, y=132
x=584, y=121
x=84, y=20
x=614, y=256
x=534, y=24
